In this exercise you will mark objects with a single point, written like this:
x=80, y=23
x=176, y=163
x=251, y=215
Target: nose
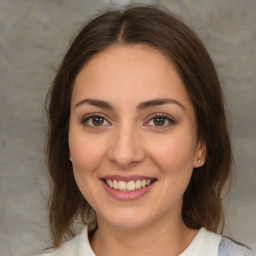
x=125, y=149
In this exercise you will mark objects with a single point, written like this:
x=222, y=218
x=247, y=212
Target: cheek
x=175, y=159
x=174, y=154
x=86, y=152
x=176, y=170
x=87, y=156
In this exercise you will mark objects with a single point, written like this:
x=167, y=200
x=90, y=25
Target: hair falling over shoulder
x=202, y=204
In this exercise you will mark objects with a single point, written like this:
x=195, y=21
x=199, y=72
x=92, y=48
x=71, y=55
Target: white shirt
x=205, y=243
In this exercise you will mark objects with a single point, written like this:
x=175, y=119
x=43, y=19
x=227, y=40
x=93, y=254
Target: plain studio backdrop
x=34, y=35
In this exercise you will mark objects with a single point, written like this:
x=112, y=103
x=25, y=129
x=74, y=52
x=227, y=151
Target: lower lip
x=127, y=196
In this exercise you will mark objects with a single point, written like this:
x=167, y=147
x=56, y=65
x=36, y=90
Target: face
x=133, y=136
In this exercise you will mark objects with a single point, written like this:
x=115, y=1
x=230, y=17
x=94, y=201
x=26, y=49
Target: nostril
x=126, y=157
x=126, y=150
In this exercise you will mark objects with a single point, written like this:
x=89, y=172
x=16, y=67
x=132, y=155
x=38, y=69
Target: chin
x=126, y=220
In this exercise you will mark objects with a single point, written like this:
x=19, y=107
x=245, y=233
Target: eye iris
x=97, y=121
x=159, y=121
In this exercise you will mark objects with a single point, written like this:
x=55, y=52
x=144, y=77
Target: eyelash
x=167, y=118
x=85, y=120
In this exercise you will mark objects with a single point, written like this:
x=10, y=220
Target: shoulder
x=79, y=245
x=227, y=247
x=68, y=248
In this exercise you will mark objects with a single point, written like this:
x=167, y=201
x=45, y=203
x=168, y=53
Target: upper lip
x=127, y=178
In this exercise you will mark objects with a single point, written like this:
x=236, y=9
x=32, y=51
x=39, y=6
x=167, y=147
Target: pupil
x=97, y=121
x=159, y=121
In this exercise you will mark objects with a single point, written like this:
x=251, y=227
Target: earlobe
x=200, y=154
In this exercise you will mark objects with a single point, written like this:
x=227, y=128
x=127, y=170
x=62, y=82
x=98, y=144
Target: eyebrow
x=141, y=106
x=159, y=102
x=94, y=102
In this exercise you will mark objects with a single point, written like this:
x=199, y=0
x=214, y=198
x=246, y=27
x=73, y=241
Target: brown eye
x=95, y=121
x=159, y=121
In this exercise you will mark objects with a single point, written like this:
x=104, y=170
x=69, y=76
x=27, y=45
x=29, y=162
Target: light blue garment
x=229, y=248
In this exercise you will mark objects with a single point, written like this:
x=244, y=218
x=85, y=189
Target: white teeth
x=110, y=183
x=128, y=186
x=122, y=185
x=115, y=184
x=131, y=185
x=138, y=184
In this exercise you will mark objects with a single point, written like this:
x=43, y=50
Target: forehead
x=122, y=72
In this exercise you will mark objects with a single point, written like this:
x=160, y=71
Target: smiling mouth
x=129, y=186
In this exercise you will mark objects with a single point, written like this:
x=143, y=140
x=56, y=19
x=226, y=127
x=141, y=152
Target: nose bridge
x=125, y=149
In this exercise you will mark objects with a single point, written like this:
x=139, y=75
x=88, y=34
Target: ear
x=200, y=154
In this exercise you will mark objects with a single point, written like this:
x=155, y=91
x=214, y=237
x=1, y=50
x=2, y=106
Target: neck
x=164, y=237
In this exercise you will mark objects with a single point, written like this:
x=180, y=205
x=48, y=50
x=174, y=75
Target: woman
x=138, y=145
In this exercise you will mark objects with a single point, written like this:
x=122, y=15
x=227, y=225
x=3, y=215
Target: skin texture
x=128, y=141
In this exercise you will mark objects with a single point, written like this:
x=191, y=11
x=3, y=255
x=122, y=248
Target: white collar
x=204, y=243
x=84, y=247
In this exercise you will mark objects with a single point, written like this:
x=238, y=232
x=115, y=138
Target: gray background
x=34, y=35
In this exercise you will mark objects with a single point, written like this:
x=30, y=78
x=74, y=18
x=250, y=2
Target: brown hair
x=202, y=204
